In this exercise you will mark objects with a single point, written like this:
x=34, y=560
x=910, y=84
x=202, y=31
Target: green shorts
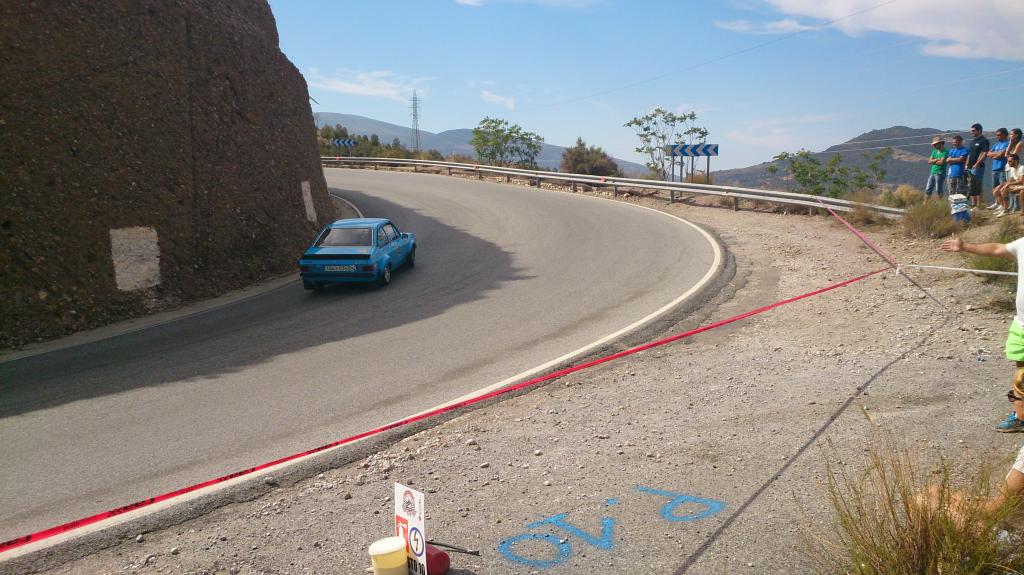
x=1015, y=342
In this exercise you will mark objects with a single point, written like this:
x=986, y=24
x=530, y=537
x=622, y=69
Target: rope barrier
x=965, y=270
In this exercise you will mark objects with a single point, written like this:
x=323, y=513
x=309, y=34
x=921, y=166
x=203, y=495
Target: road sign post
x=692, y=151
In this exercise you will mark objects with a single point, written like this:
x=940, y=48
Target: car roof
x=359, y=223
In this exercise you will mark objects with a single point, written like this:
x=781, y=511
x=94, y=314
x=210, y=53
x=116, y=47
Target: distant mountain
x=908, y=164
x=447, y=142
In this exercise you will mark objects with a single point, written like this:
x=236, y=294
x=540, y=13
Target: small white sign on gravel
x=136, y=256
x=409, y=524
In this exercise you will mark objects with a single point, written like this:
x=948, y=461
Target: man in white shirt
x=1015, y=339
x=1014, y=183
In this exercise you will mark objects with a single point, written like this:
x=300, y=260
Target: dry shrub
x=893, y=519
x=929, y=219
x=1006, y=231
x=862, y=215
x=903, y=196
x=698, y=178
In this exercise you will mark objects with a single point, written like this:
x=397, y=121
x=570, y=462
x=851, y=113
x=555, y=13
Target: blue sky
x=763, y=76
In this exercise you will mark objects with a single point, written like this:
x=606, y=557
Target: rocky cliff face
x=151, y=152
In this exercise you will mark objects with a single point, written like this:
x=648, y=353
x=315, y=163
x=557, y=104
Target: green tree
x=831, y=178
x=580, y=159
x=660, y=129
x=499, y=143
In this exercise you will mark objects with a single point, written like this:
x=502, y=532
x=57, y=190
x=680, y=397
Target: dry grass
x=929, y=219
x=866, y=216
x=1007, y=231
x=893, y=519
x=903, y=196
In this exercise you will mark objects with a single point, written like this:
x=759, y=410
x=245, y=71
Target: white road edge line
x=132, y=515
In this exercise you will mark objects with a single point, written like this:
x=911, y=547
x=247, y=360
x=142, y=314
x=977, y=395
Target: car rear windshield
x=345, y=237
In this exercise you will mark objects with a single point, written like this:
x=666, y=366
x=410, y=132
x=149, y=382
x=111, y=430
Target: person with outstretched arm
x=1015, y=339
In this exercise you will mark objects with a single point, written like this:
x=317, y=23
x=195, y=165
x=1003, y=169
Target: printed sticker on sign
x=409, y=525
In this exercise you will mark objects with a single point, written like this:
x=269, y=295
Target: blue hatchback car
x=357, y=250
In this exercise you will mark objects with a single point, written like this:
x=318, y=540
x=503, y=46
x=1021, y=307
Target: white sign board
x=409, y=525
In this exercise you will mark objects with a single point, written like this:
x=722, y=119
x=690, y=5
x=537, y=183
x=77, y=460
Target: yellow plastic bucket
x=388, y=556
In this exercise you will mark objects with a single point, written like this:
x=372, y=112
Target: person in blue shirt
x=955, y=166
x=997, y=153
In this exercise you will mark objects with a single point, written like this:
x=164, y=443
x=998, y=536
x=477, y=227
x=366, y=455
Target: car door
x=401, y=245
x=386, y=247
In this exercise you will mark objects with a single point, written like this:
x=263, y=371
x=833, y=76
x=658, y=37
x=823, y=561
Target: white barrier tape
x=965, y=270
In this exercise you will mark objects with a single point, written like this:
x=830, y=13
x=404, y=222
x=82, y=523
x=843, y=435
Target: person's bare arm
x=1013, y=488
x=955, y=244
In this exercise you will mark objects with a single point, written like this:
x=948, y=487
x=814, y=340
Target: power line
x=711, y=61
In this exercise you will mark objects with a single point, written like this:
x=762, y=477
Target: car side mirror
x=405, y=236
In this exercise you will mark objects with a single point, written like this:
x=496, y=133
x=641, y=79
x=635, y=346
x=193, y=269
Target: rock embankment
x=153, y=152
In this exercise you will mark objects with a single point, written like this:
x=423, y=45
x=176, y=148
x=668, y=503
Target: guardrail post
x=735, y=204
x=375, y=166
x=574, y=187
x=479, y=176
x=415, y=168
x=508, y=178
x=615, y=191
x=671, y=196
x=536, y=183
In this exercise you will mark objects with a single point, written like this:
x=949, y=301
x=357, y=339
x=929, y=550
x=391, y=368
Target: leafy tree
x=580, y=159
x=831, y=178
x=660, y=129
x=499, y=143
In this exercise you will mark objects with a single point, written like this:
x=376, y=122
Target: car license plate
x=339, y=268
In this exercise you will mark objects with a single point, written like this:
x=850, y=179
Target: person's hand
x=953, y=244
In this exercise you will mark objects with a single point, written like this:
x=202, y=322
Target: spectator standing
x=955, y=166
x=937, y=175
x=1015, y=339
x=997, y=153
x=978, y=152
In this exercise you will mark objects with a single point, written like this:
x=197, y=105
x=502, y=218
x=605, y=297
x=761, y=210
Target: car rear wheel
x=385, y=276
x=411, y=260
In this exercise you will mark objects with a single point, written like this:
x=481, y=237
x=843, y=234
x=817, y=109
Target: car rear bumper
x=338, y=277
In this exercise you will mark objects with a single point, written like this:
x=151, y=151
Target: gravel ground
x=737, y=415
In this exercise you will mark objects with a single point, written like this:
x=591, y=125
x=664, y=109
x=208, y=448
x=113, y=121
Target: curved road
x=507, y=278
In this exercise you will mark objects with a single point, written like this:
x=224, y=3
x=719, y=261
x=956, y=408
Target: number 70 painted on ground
x=563, y=547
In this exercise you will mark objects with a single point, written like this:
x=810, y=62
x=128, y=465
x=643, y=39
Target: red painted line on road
x=79, y=523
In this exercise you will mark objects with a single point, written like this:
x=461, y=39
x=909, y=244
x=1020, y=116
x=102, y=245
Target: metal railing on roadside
x=673, y=190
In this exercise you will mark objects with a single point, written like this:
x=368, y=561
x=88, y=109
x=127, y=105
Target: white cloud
x=468, y=2
x=785, y=26
x=373, y=84
x=507, y=101
x=949, y=28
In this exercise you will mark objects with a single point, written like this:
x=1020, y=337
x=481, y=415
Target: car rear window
x=345, y=237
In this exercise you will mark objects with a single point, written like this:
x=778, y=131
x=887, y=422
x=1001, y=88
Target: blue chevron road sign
x=687, y=150
x=346, y=143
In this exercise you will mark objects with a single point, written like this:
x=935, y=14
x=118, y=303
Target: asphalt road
x=507, y=278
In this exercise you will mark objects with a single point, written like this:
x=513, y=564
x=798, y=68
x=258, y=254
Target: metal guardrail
x=618, y=184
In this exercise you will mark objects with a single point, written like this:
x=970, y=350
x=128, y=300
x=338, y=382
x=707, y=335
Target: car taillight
x=303, y=268
x=368, y=268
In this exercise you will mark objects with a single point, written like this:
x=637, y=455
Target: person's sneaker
x=1011, y=424
x=993, y=206
x=1000, y=213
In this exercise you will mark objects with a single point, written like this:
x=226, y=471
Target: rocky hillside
x=154, y=152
